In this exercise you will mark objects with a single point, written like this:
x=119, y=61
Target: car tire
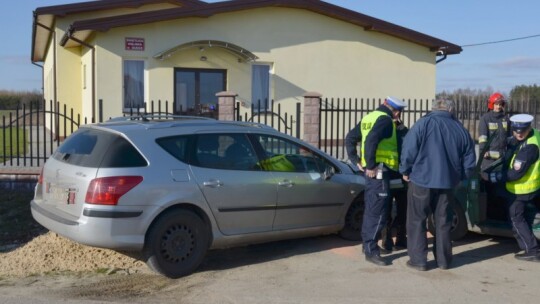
x=176, y=243
x=459, y=223
x=352, y=230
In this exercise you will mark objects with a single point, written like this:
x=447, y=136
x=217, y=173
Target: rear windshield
x=98, y=149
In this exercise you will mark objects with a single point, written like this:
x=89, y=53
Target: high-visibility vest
x=277, y=163
x=387, y=150
x=530, y=182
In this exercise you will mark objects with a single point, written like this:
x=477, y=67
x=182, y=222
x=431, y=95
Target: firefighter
x=379, y=159
x=493, y=123
x=522, y=178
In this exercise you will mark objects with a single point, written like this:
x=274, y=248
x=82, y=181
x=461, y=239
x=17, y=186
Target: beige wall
x=307, y=51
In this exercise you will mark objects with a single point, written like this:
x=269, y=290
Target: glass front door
x=195, y=91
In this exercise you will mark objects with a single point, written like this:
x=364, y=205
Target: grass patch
x=12, y=141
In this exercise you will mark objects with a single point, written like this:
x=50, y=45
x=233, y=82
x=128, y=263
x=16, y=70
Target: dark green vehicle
x=480, y=209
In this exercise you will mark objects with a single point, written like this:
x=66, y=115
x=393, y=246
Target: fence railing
x=339, y=116
x=268, y=114
x=30, y=134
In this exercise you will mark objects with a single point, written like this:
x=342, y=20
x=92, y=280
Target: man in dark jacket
x=438, y=152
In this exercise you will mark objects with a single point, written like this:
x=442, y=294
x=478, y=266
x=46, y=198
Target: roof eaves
x=367, y=22
x=91, y=6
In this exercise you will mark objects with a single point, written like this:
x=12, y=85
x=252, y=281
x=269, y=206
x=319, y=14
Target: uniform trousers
x=421, y=203
x=521, y=228
x=398, y=222
x=377, y=200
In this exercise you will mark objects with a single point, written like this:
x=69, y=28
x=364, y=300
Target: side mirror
x=329, y=171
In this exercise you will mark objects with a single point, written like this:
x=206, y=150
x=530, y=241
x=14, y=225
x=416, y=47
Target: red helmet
x=495, y=98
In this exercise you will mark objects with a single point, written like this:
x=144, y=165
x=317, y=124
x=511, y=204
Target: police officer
x=378, y=158
x=522, y=177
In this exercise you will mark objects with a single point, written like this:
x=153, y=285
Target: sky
x=491, y=66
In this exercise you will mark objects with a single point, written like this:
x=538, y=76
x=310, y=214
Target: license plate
x=61, y=194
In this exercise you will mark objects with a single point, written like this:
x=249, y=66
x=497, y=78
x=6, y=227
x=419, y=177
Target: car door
x=305, y=198
x=242, y=197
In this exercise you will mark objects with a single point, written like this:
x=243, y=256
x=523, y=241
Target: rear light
x=108, y=190
x=40, y=177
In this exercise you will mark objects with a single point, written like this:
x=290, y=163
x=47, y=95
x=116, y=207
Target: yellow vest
x=277, y=163
x=530, y=182
x=387, y=150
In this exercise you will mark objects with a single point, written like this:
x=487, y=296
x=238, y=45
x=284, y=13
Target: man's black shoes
x=383, y=250
x=377, y=260
x=416, y=267
x=528, y=256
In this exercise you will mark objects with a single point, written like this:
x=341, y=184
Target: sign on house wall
x=134, y=44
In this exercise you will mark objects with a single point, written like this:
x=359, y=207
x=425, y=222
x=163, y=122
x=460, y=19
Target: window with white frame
x=133, y=84
x=260, y=86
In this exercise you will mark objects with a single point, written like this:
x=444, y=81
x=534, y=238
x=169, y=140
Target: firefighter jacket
x=494, y=123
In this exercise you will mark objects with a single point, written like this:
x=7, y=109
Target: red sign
x=134, y=44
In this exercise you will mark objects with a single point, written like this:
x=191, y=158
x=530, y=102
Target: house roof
x=81, y=29
x=44, y=17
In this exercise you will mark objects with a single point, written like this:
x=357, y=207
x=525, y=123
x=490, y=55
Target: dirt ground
x=313, y=270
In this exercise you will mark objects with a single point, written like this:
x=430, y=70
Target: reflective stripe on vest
x=387, y=151
x=530, y=182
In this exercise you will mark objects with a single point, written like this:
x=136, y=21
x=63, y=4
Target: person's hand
x=360, y=167
x=406, y=178
x=371, y=173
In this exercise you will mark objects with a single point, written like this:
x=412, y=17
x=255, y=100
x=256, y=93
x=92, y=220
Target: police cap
x=521, y=122
x=396, y=103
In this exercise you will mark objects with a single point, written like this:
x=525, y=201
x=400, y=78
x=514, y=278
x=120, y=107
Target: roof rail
x=150, y=117
x=250, y=124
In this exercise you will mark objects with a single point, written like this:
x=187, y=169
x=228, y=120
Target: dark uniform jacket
x=438, y=152
x=490, y=123
x=525, y=158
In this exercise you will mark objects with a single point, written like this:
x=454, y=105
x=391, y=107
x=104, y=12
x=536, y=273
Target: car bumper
x=113, y=229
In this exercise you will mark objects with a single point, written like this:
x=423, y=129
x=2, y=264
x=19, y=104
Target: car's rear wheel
x=353, y=221
x=176, y=243
x=459, y=222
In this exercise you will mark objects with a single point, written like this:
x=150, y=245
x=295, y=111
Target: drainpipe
x=42, y=78
x=441, y=52
x=69, y=36
x=55, y=96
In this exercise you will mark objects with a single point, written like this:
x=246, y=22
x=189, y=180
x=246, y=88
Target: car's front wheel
x=176, y=243
x=459, y=222
x=352, y=230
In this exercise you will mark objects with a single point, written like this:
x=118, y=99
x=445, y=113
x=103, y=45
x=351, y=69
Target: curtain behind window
x=133, y=84
x=260, y=86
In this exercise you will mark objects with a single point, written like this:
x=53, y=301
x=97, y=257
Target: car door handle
x=213, y=183
x=286, y=183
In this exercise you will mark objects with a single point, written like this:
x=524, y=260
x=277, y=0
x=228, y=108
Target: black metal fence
x=338, y=116
x=30, y=134
x=268, y=114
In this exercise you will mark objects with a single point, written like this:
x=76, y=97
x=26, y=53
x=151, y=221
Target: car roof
x=188, y=124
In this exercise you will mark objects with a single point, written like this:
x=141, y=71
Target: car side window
x=239, y=153
x=283, y=155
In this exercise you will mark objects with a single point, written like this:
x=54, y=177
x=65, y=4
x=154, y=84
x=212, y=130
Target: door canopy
x=243, y=54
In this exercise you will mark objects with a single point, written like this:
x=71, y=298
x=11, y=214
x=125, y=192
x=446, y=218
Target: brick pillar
x=226, y=101
x=312, y=122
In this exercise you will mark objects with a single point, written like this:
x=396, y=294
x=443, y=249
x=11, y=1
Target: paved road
x=314, y=270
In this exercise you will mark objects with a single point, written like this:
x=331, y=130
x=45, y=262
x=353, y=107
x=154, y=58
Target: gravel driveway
x=313, y=270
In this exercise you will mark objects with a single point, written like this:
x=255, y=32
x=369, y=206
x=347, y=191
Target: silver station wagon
x=171, y=189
